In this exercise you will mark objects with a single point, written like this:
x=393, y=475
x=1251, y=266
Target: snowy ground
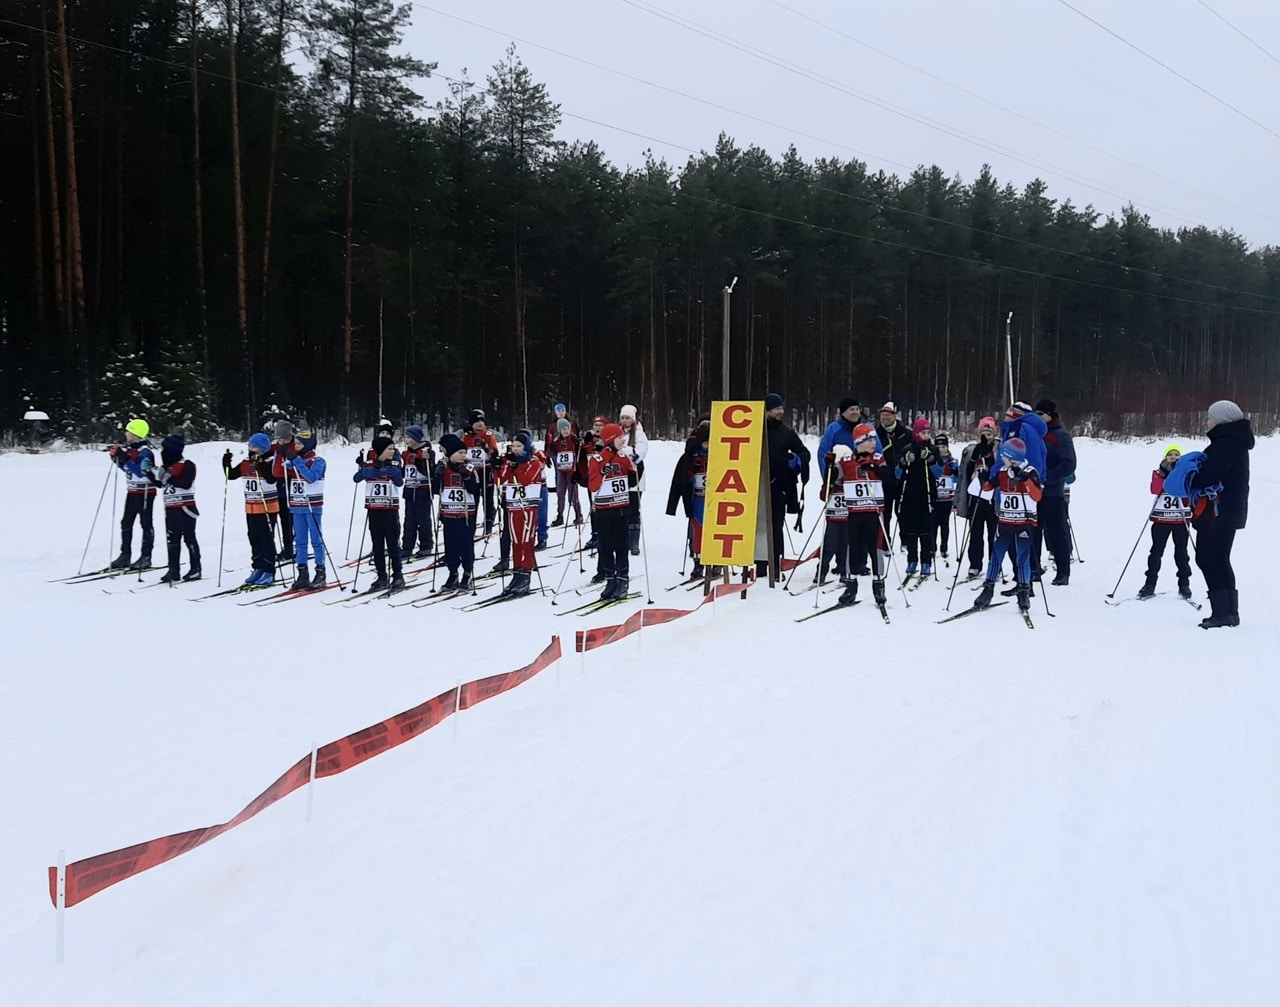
x=732, y=809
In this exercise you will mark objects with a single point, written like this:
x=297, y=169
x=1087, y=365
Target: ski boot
x=974, y=573
x=697, y=572
x=170, y=577
x=1024, y=598
x=849, y=594
x=302, y=582
x=926, y=569
x=518, y=586
x=317, y=582
x=911, y=569
x=502, y=566
x=397, y=583
x=1184, y=590
x=464, y=582
x=252, y=579
x=877, y=592
x=192, y=574
x=143, y=562
x=121, y=562
x=558, y=522
x=452, y=582
x=984, y=596
x=1148, y=588
x=378, y=585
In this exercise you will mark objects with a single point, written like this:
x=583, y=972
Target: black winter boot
x=143, y=562
x=121, y=562
x=1184, y=589
x=302, y=581
x=984, y=596
x=518, y=586
x=452, y=582
x=1148, y=588
x=877, y=592
x=633, y=536
x=317, y=582
x=397, y=583
x=1220, y=603
x=849, y=594
x=1024, y=598
x=193, y=573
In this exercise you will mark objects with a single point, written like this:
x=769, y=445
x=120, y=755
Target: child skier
x=458, y=488
x=591, y=442
x=917, y=498
x=261, y=505
x=945, y=471
x=482, y=453
x=862, y=474
x=136, y=460
x=304, y=470
x=1170, y=516
x=835, y=531
x=608, y=474
x=1016, y=488
x=521, y=482
x=418, y=460
x=177, y=476
x=382, y=477
x=562, y=450
x=281, y=438
x=972, y=501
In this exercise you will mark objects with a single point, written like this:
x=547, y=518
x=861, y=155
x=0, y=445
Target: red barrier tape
x=590, y=639
x=90, y=876
x=791, y=564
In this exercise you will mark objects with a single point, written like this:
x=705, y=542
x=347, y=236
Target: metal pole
x=61, y=936
x=311, y=782
x=1008, y=353
x=724, y=362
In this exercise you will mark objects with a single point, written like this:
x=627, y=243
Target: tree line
x=247, y=202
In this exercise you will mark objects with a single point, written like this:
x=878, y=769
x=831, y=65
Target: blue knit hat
x=416, y=433
x=772, y=401
x=260, y=443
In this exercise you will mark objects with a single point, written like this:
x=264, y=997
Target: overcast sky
x=1099, y=122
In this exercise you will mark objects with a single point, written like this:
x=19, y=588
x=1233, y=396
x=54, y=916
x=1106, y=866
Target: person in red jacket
x=482, y=453
x=520, y=480
x=562, y=453
x=607, y=473
x=177, y=476
x=1017, y=495
x=1170, y=517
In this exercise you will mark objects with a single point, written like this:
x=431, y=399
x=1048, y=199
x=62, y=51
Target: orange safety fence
x=89, y=876
x=590, y=639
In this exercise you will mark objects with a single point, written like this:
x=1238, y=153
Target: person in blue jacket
x=1021, y=421
x=840, y=431
x=303, y=471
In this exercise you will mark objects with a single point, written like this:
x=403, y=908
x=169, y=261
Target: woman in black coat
x=1226, y=463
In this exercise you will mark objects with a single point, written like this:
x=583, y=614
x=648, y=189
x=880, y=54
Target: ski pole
x=355, y=492
x=955, y=580
x=1136, y=543
x=644, y=553
x=1072, y=528
x=688, y=544
x=364, y=527
x=893, y=559
x=111, y=533
x=222, y=537
x=95, y=517
x=804, y=550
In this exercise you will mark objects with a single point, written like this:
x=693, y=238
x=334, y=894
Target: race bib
x=863, y=489
x=456, y=501
x=478, y=456
x=837, y=509
x=521, y=496
x=947, y=488
x=613, y=492
x=700, y=484
x=380, y=494
x=1016, y=507
x=1171, y=509
x=564, y=461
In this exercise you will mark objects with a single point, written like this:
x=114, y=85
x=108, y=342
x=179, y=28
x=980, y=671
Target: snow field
x=729, y=809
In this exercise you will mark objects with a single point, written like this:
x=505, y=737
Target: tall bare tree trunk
x=202, y=289
x=271, y=167
x=351, y=207
x=61, y=304
x=37, y=207
x=242, y=299
x=74, y=248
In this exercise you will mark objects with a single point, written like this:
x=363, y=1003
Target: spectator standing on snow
x=1225, y=467
x=1060, y=465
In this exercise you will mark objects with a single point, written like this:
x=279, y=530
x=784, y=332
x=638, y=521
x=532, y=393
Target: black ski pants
x=1160, y=535
x=285, y=520
x=140, y=506
x=835, y=545
x=613, y=548
x=417, y=520
x=459, y=542
x=866, y=544
x=179, y=527
x=942, y=525
x=262, y=543
x=1056, y=529
x=982, y=529
x=1214, y=540
x=384, y=537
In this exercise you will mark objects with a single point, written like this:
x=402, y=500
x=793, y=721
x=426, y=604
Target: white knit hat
x=627, y=413
x=1225, y=411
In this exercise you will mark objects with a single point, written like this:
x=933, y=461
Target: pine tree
x=182, y=400
x=126, y=391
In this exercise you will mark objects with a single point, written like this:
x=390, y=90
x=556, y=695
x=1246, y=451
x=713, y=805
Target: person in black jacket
x=1226, y=463
x=689, y=487
x=1060, y=464
x=788, y=459
x=895, y=441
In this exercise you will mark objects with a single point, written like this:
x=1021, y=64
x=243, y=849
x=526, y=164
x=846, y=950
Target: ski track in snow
x=730, y=809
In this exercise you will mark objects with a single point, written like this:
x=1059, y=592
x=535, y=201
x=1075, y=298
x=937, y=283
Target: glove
x=161, y=476
x=360, y=460
x=114, y=450
x=147, y=464
x=1166, y=467
x=226, y=461
x=1071, y=478
x=908, y=459
x=841, y=453
x=793, y=463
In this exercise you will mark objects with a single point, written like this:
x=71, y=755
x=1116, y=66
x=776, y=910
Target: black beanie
x=1048, y=407
x=773, y=400
x=380, y=444
x=846, y=403
x=451, y=444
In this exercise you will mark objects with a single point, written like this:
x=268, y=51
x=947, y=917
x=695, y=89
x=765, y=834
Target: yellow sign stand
x=736, y=467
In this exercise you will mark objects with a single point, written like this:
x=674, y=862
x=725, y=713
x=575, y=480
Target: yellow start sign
x=735, y=463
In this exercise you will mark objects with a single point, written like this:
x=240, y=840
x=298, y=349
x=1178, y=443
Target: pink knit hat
x=987, y=423
x=920, y=425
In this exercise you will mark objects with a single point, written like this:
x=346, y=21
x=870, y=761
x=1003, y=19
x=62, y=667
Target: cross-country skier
x=944, y=470
x=562, y=452
x=917, y=497
x=637, y=448
x=1016, y=487
x=689, y=488
x=457, y=489
x=520, y=480
x=177, y=476
x=608, y=474
x=1170, y=518
x=261, y=503
x=895, y=441
x=972, y=502
x=383, y=476
x=482, y=453
x=136, y=459
x=303, y=472
x=418, y=459
x=861, y=485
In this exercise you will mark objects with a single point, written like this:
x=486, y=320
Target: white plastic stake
x=457, y=710
x=311, y=781
x=61, y=939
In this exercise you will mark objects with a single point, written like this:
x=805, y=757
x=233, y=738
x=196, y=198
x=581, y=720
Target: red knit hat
x=611, y=432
